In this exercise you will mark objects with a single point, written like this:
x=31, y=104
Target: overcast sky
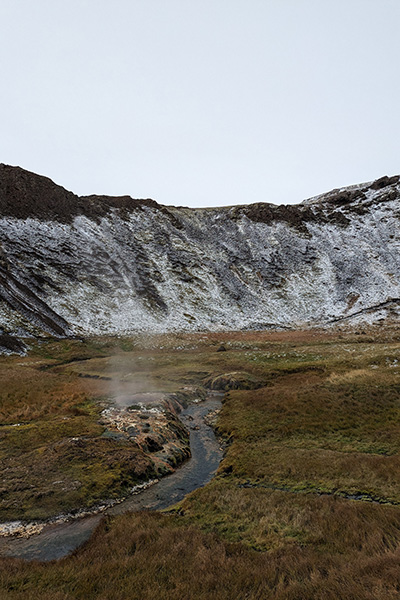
x=201, y=102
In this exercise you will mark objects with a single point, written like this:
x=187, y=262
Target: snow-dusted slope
x=101, y=265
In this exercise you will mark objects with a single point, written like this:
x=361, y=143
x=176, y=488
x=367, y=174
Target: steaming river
x=58, y=540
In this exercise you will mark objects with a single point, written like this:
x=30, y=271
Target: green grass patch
x=304, y=504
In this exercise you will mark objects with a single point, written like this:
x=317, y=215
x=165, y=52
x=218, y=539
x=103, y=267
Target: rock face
x=104, y=265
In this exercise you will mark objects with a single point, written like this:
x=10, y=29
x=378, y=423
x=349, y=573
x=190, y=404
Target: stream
x=60, y=539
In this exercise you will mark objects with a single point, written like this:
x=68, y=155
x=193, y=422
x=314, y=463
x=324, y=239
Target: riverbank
x=289, y=512
x=58, y=537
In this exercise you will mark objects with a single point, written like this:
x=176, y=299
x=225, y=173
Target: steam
x=131, y=380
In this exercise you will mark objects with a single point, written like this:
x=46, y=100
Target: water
x=58, y=540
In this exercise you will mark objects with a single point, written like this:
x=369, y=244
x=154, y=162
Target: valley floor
x=305, y=504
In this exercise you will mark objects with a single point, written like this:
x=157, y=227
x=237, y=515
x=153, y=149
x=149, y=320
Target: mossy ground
x=305, y=505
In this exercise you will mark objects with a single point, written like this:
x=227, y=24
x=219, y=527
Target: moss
x=304, y=504
x=302, y=431
x=237, y=380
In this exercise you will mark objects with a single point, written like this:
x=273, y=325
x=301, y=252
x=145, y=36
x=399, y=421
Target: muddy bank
x=59, y=539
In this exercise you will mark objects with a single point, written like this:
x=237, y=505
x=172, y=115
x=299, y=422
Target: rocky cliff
x=114, y=265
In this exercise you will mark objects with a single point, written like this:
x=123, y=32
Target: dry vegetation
x=305, y=505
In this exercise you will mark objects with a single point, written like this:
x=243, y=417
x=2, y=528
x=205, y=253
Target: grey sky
x=201, y=102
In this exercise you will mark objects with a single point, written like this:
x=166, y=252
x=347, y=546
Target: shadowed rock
x=237, y=380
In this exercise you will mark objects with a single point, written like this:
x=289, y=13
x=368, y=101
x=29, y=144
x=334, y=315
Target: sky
x=201, y=102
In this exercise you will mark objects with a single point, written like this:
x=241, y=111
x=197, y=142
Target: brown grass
x=144, y=556
x=276, y=522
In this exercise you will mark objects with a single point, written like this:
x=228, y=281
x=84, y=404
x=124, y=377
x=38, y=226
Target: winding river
x=58, y=540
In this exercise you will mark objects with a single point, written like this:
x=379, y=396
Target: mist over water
x=131, y=380
x=58, y=540
x=126, y=379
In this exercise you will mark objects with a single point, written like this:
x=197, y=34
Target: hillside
x=74, y=265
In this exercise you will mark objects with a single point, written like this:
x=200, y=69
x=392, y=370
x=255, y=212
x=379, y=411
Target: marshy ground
x=305, y=504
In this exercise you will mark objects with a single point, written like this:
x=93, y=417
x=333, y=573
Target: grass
x=305, y=504
x=145, y=556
